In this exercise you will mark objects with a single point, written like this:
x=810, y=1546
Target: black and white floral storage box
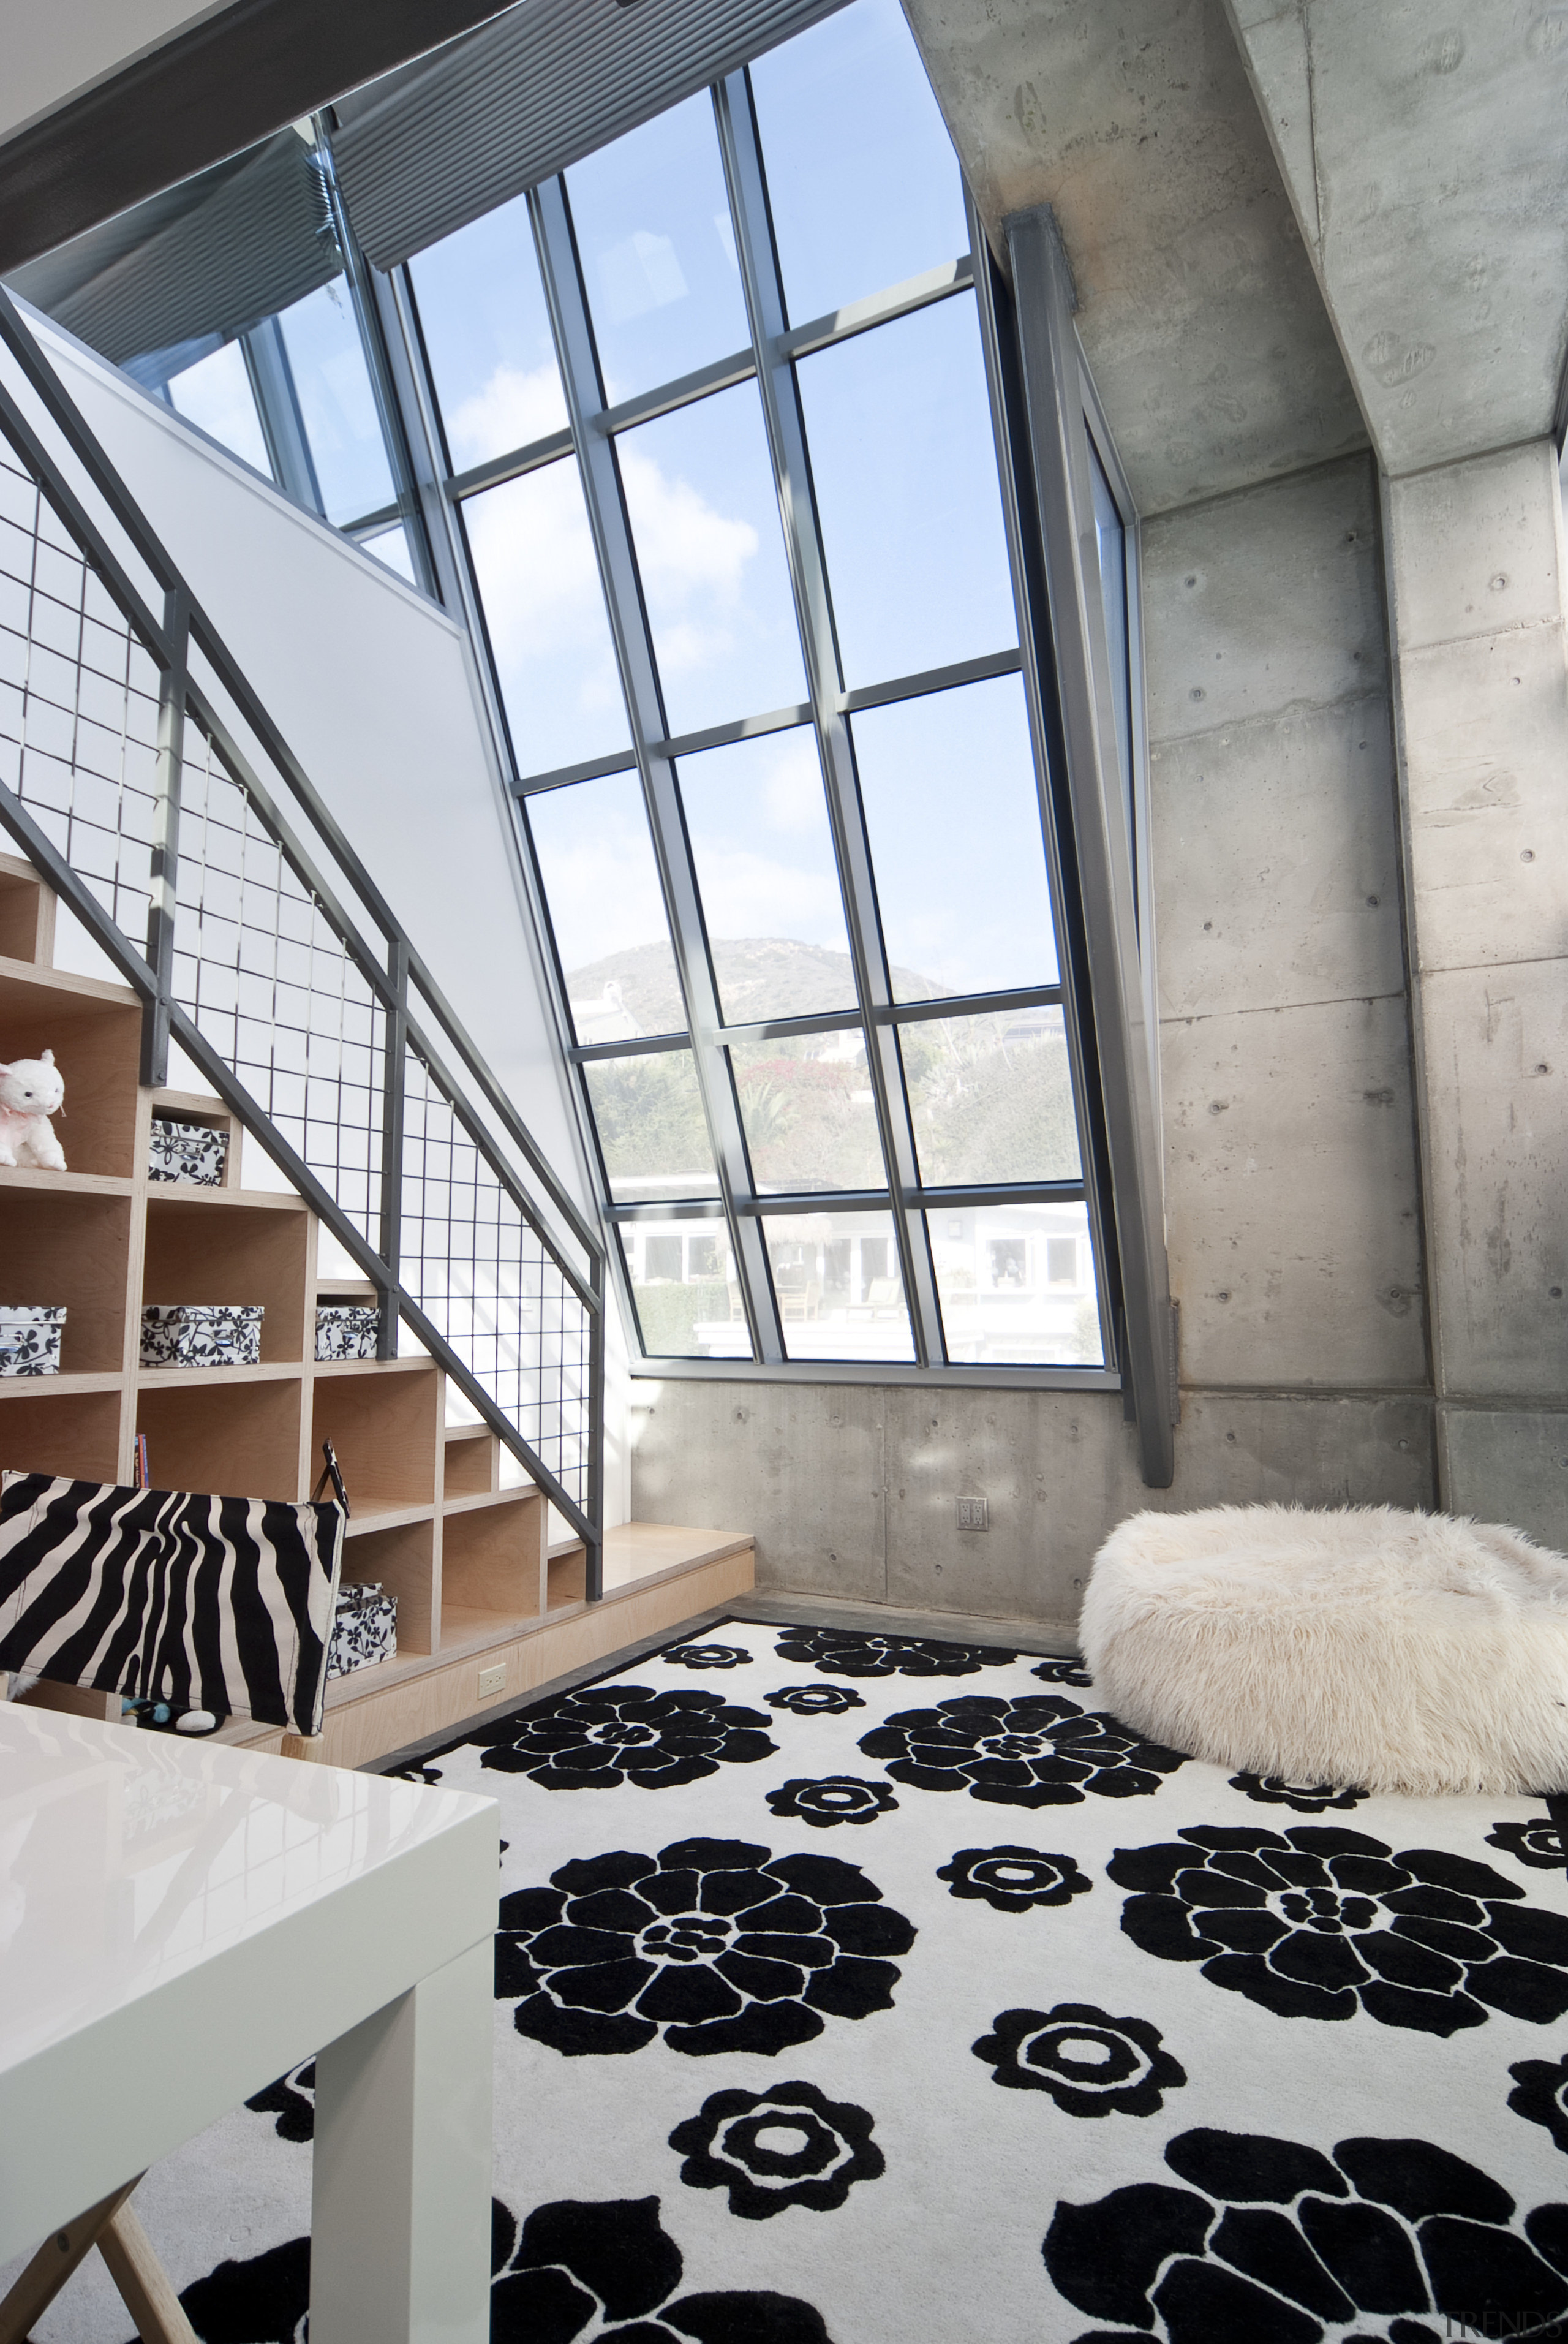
x=186, y=1151
x=364, y=1630
x=346, y=1330
x=30, y=1338
x=201, y=1334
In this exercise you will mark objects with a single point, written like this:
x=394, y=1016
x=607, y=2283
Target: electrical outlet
x=974, y=1514
x=493, y=1680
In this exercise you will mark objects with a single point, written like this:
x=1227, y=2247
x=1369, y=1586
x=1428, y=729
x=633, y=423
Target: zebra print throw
x=205, y=1603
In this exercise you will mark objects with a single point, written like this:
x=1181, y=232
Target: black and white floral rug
x=889, y=1991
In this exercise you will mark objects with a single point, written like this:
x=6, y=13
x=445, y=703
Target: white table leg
x=400, y=2218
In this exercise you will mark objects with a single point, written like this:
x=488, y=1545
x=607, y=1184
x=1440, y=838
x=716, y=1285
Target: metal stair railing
x=125, y=784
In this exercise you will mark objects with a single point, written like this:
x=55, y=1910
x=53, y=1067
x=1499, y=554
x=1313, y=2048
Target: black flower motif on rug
x=1072, y=1673
x=707, y=1656
x=791, y=2145
x=1538, y=1844
x=611, y=2270
x=838, y=1652
x=1541, y=2093
x=292, y=2100
x=816, y=1700
x=604, y=1735
x=1013, y=1879
x=573, y=2269
x=1092, y=2065
x=1039, y=1752
x=719, y=1943
x=835, y=1799
x=1323, y=1922
x=1306, y=1798
x=265, y=2299
x=1273, y=2242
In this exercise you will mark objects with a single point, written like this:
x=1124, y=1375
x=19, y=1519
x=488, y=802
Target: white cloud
x=535, y=562
x=751, y=894
x=692, y=560
x=603, y=898
x=792, y=787
x=514, y=408
x=539, y=578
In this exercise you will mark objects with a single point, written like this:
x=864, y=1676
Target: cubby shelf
x=23, y=1177
x=103, y=1239
x=465, y=1557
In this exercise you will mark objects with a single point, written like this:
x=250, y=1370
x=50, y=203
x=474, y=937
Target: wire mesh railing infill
x=128, y=789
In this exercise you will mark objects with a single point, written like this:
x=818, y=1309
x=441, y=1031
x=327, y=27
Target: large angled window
x=716, y=408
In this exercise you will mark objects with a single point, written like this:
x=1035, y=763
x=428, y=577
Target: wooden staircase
x=443, y=1515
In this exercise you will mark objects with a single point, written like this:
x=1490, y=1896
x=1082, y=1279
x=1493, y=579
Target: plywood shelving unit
x=464, y=1555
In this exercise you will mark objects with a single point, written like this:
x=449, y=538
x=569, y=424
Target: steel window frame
x=1105, y=997
x=1053, y=479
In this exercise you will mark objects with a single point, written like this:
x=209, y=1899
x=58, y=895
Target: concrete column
x=1476, y=581
x=1292, y=1194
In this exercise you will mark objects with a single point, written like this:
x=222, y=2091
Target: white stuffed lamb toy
x=30, y=1091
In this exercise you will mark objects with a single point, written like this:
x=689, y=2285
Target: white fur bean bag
x=1368, y=1646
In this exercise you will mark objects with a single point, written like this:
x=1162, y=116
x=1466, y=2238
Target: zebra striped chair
x=206, y=1602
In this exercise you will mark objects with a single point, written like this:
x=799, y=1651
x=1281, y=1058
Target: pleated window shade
x=211, y=256
x=425, y=151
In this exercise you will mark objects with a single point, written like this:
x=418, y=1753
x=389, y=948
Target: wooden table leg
x=400, y=2224
x=52, y=2264
x=146, y=2288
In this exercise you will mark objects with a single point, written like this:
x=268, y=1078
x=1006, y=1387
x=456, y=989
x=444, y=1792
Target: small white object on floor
x=1366, y=1645
x=195, y=1720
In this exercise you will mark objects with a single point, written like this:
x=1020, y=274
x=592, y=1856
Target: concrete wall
x=1476, y=580
x=1292, y=1197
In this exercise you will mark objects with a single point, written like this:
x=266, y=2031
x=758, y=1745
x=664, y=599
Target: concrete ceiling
x=1200, y=317
x=1425, y=146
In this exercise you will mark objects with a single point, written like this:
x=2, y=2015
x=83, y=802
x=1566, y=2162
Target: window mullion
x=786, y=440
x=1069, y=950
x=639, y=676
x=1053, y=418
x=282, y=424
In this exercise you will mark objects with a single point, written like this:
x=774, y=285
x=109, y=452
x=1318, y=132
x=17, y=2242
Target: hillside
x=759, y=977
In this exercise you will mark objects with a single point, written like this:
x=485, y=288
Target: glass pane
x=1111, y=539
x=488, y=335
x=757, y=817
x=861, y=174
x=808, y=1113
x=684, y=1285
x=710, y=551
x=992, y=1098
x=391, y=546
x=550, y=629
x=1016, y=1285
x=653, y=230
x=651, y=1130
x=947, y=785
x=606, y=909
x=905, y=469
x=839, y=1288
x=216, y=394
x=332, y=383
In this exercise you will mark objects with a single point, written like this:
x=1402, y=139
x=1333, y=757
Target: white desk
x=180, y=1922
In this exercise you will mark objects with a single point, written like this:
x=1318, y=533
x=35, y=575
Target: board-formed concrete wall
x=1292, y=1200
x=1476, y=579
